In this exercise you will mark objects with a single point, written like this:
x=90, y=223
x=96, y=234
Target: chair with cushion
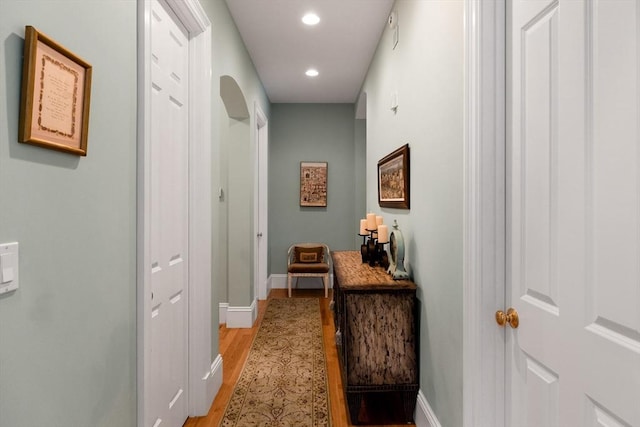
x=309, y=260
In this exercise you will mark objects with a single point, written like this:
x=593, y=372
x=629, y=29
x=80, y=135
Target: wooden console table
x=376, y=325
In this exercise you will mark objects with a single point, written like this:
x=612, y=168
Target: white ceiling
x=282, y=48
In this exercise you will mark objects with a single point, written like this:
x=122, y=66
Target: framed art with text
x=313, y=184
x=55, y=96
x=393, y=179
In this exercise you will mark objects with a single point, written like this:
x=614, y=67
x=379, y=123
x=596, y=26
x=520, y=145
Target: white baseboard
x=242, y=317
x=269, y=285
x=215, y=380
x=206, y=390
x=279, y=281
x=425, y=417
x=222, y=312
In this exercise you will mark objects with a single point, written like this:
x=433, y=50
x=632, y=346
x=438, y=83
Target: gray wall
x=233, y=142
x=360, y=175
x=311, y=132
x=239, y=203
x=426, y=69
x=68, y=334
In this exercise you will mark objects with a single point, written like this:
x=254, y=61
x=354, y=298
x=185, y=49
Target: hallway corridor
x=235, y=345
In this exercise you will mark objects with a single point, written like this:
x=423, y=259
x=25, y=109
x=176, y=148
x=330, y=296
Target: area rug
x=284, y=380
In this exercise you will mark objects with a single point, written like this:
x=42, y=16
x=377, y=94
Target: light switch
x=8, y=267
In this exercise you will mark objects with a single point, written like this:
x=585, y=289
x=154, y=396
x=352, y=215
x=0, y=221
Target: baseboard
x=215, y=380
x=269, y=285
x=242, y=317
x=279, y=281
x=222, y=312
x=205, y=389
x=425, y=417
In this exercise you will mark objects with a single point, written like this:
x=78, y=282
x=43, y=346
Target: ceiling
x=282, y=48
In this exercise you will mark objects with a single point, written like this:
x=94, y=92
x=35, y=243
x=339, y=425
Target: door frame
x=200, y=391
x=260, y=211
x=484, y=343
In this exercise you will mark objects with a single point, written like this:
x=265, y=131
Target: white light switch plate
x=8, y=267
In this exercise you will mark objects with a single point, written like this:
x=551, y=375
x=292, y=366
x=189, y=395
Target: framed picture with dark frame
x=393, y=179
x=313, y=184
x=55, y=96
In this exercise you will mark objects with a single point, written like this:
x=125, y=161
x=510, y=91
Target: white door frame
x=201, y=390
x=260, y=213
x=484, y=213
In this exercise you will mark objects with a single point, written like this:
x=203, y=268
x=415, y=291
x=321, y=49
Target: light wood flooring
x=234, y=348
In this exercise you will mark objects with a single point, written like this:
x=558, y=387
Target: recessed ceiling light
x=312, y=72
x=311, y=19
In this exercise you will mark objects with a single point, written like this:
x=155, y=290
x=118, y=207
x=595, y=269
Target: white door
x=169, y=219
x=573, y=212
x=260, y=204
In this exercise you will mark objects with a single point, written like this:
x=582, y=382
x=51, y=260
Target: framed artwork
x=313, y=183
x=393, y=179
x=55, y=96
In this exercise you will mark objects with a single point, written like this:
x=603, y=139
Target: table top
x=353, y=274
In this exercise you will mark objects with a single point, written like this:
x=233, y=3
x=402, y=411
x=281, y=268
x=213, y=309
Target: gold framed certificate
x=55, y=96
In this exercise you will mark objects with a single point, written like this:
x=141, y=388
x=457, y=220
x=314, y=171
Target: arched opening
x=233, y=98
x=236, y=208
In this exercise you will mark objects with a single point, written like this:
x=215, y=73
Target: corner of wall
x=241, y=317
x=425, y=417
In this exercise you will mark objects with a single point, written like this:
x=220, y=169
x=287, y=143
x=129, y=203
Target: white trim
x=242, y=317
x=425, y=417
x=269, y=285
x=200, y=207
x=261, y=187
x=215, y=376
x=200, y=393
x=279, y=281
x=191, y=14
x=222, y=312
x=484, y=214
x=143, y=304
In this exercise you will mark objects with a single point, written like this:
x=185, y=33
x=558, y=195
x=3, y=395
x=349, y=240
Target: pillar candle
x=383, y=234
x=363, y=227
x=371, y=222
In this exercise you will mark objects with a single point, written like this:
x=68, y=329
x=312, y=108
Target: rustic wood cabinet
x=376, y=328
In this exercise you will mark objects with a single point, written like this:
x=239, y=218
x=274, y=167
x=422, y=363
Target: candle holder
x=372, y=251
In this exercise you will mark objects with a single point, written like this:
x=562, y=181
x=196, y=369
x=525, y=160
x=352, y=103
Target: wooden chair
x=309, y=260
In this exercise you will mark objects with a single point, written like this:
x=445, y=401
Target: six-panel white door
x=573, y=212
x=169, y=218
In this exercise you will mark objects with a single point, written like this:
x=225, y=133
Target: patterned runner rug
x=284, y=380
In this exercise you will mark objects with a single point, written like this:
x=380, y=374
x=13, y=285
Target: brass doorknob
x=511, y=318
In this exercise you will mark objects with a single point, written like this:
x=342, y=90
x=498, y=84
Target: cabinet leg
x=409, y=405
x=354, y=400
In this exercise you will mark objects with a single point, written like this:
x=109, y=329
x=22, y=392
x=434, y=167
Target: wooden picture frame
x=313, y=184
x=393, y=179
x=55, y=96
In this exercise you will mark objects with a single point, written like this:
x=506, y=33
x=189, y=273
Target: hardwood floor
x=234, y=348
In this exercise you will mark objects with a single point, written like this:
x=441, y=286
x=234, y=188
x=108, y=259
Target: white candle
x=363, y=227
x=371, y=222
x=379, y=220
x=383, y=234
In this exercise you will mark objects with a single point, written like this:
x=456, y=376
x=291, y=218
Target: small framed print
x=55, y=96
x=313, y=184
x=393, y=179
